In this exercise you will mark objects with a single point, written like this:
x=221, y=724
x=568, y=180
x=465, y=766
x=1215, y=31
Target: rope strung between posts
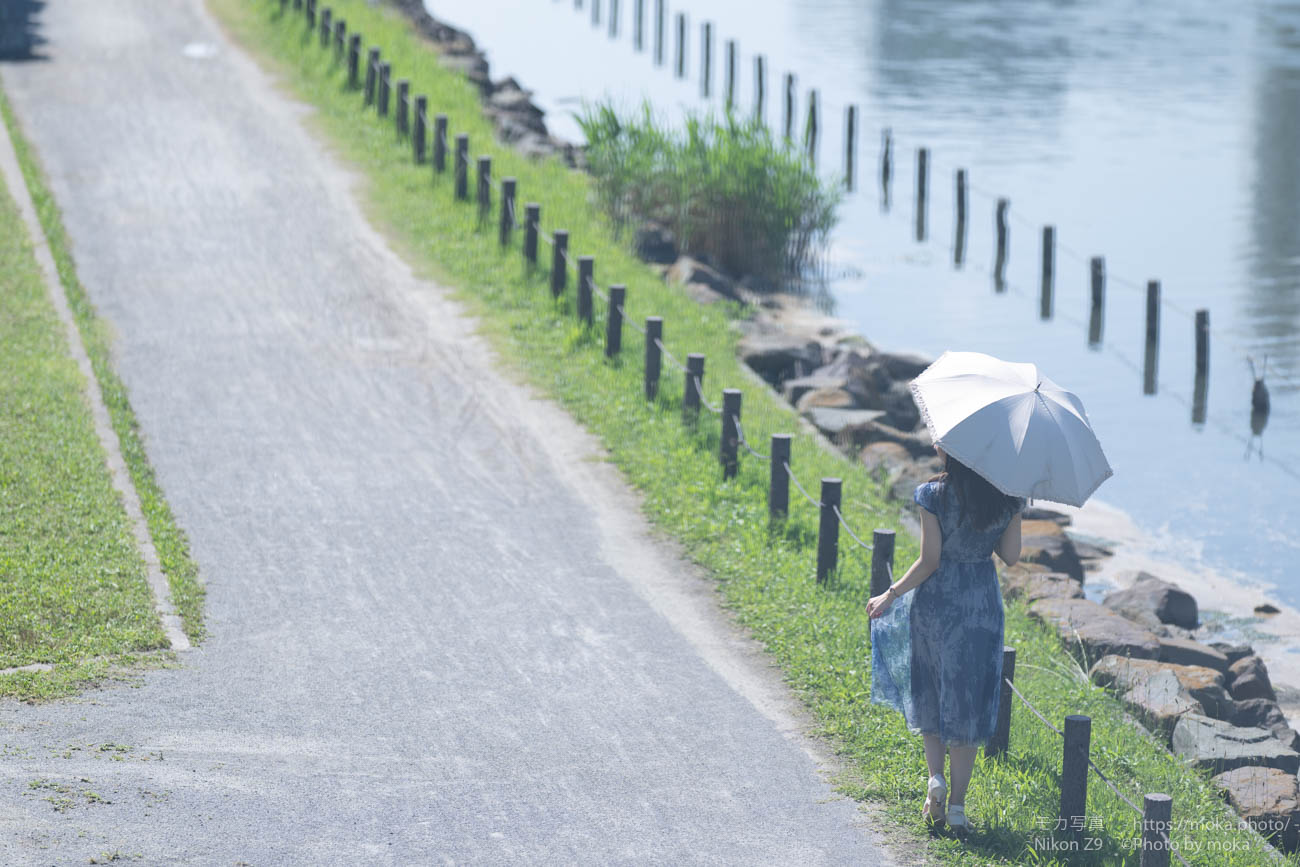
x=849, y=529
x=699, y=390
x=1032, y=709
x=790, y=473
x=669, y=355
x=740, y=437
x=629, y=320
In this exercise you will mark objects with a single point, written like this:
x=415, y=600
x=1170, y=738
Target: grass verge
x=819, y=634
x=169, y=540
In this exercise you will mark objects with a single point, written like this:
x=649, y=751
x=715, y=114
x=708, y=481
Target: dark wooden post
x=559, y=269
x=1074, y=770
x=1202, y=381
x=659, y=32
x=922, y=188
x=886, y=165
x=532, y=221
x=421, y=117
x=385, y=86
x=614, y=320
x=638, y=26
x=828, y=530
x=654, y=332
x=1157, y=822
x=586, y=277
x=1151, y=346
x=440, y=143
x=507, y=223
x=403, y=107
x=595, y=13
x=787, y=120
x=372, y=69
x=681, y=45
x=730, y=441
x=1097, y=271
x=297, y=5
x=1001, y=739
x=850, y=144
x=882, y=561
x=311, y=13
x=354, y=59
x=326, y=24
x=340, y=38
x=730, y=92
x=810, y=129
x=778, y=485
x=613, y=19
x=1000, y=260
x=760, y=87
x=1049, y=272
x=690, y=391
x=706, y=58
x=484, y=190
x=959, y=241
x=462, y=166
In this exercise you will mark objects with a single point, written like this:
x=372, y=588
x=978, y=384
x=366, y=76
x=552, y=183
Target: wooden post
x=882, y=561
x=922, y=187
x=613, y=19
x=484, y=196
x=730, y=441
x=403, y=107
x=659, y=32
x=1097, y=272
x=788, y=120
x=586, y=277
x=638, y=26
x=354, y=60
x=326, y=25
x=372, y=69
x=1049, y=272
x=1202, y=381
x=828, y=530
x=340, y=38
x=595, y=13
x=760, y=87
x=1000, y=260
x=810, y=129
x=507, y=222
x=440, y=143
x=1074, y=770
x=462, y=166
x=1157, y=822
x=681, y=45
x=421, y=117
x=731, y=74
x=690, y=392
x=706, y=57
x=559, y=269
x=850, y=144
x=959, y=241
x=614, y=320
x=654, y=332
x=778, y=485
x=311, y=13
x=385, y=85
x=1150, y=356
x=886, y=165
x=532, y=220
x=1001, y=739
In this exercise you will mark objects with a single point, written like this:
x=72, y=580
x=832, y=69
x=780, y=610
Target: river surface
x=1164, y=136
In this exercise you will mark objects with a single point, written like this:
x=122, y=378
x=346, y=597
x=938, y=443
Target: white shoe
x=937, y=796
x=957, y=818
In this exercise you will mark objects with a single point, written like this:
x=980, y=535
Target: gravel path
x=440, y=631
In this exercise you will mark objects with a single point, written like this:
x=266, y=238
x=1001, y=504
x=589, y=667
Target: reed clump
x=721, y=184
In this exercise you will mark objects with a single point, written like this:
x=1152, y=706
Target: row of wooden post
x=413, y=123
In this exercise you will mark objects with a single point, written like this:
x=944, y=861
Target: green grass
x=73, y=592
x=819, y=635
x=170, y=542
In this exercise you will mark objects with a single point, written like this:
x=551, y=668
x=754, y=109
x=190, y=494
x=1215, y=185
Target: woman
x=937, y=653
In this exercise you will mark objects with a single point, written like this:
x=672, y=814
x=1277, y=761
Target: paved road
x=440, y=632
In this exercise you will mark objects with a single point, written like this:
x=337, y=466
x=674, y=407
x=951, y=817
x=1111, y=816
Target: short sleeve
x=926, y=496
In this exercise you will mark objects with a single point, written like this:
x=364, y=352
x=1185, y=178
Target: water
x=1163, y=136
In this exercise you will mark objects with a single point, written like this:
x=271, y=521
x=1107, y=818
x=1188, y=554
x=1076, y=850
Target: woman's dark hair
x=976, y=497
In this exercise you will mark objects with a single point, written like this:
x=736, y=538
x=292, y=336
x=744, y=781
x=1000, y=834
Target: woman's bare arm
x=1009, y=545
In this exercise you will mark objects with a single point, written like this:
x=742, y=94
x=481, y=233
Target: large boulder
x=1151, y=601
x=796, y=387
x=1093, y=631
x=834, y=421
x=1218, y=746
x=1155, y=696
x=691, y=271
x=1047, y=543
x=778, y=357
x=1232, y=651
x=891, y=460
x=1143, y=677
x=1038, y=513
x=655, y=243
x=1248, y=678
x=918, y=444
x=918, y=471
x=836, y=398
x=1026, y=582
x=1268, y=799
x=1184, y=651
x=871, y=376
x=1265, y=714
x=901, y=365
x=900, y=409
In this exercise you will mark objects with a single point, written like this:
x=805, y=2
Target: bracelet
x=892, y=590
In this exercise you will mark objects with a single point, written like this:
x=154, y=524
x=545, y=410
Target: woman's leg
x=934, y=752
x=963, y=763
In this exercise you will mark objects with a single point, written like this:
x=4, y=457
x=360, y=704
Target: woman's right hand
x=878, y=605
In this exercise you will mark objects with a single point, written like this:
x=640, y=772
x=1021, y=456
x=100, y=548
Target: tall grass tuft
x=721, y=184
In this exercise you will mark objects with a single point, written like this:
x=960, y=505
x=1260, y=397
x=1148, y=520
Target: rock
x=776, y=357
x=1203, y=686
x=918, y=471
x=655, y=243
x=472, y=66
x=1248, y=678
x=1181, y=651
x=1264, y=714
x=1267, y=608
x=1218, y=746
x=793, y=389
x=1038, y=513
x=1031, y=585
x=872, y=376
x=1153, y=599
x=1090, y=550
x=900, y=408
x=1045, y=542
x=1156, y=697
x=1164, y=630
x=688, y=270
x=889, y=458
x=1268, y=799
x=703, y=294
x=901, y=365
x=1234, y=652
x=836, y=398
x=833, y=421
x=1093, y=631
x=917, y=444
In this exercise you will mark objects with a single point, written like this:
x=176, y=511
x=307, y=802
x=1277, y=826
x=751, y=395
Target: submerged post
x=959, y=239
x=731, y=74
x=681, y=45
x=810, y=130
x=787, y=122
x=828, y=530
x=760, y=87
x=706, y=57
x=638, y=26
x=1152, y=343
x=778, y=485
x=1202, y=380
x=1000, y=260
x=1049, y=272
x=886, y=165
x=922, y=185
x=654, y=332
x=850, y=144
x=1097, y=273
x=659, y=32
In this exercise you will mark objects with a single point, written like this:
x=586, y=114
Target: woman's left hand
x=878, y=605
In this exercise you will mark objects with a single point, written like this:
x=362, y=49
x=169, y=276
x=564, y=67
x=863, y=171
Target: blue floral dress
x=936, y=654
